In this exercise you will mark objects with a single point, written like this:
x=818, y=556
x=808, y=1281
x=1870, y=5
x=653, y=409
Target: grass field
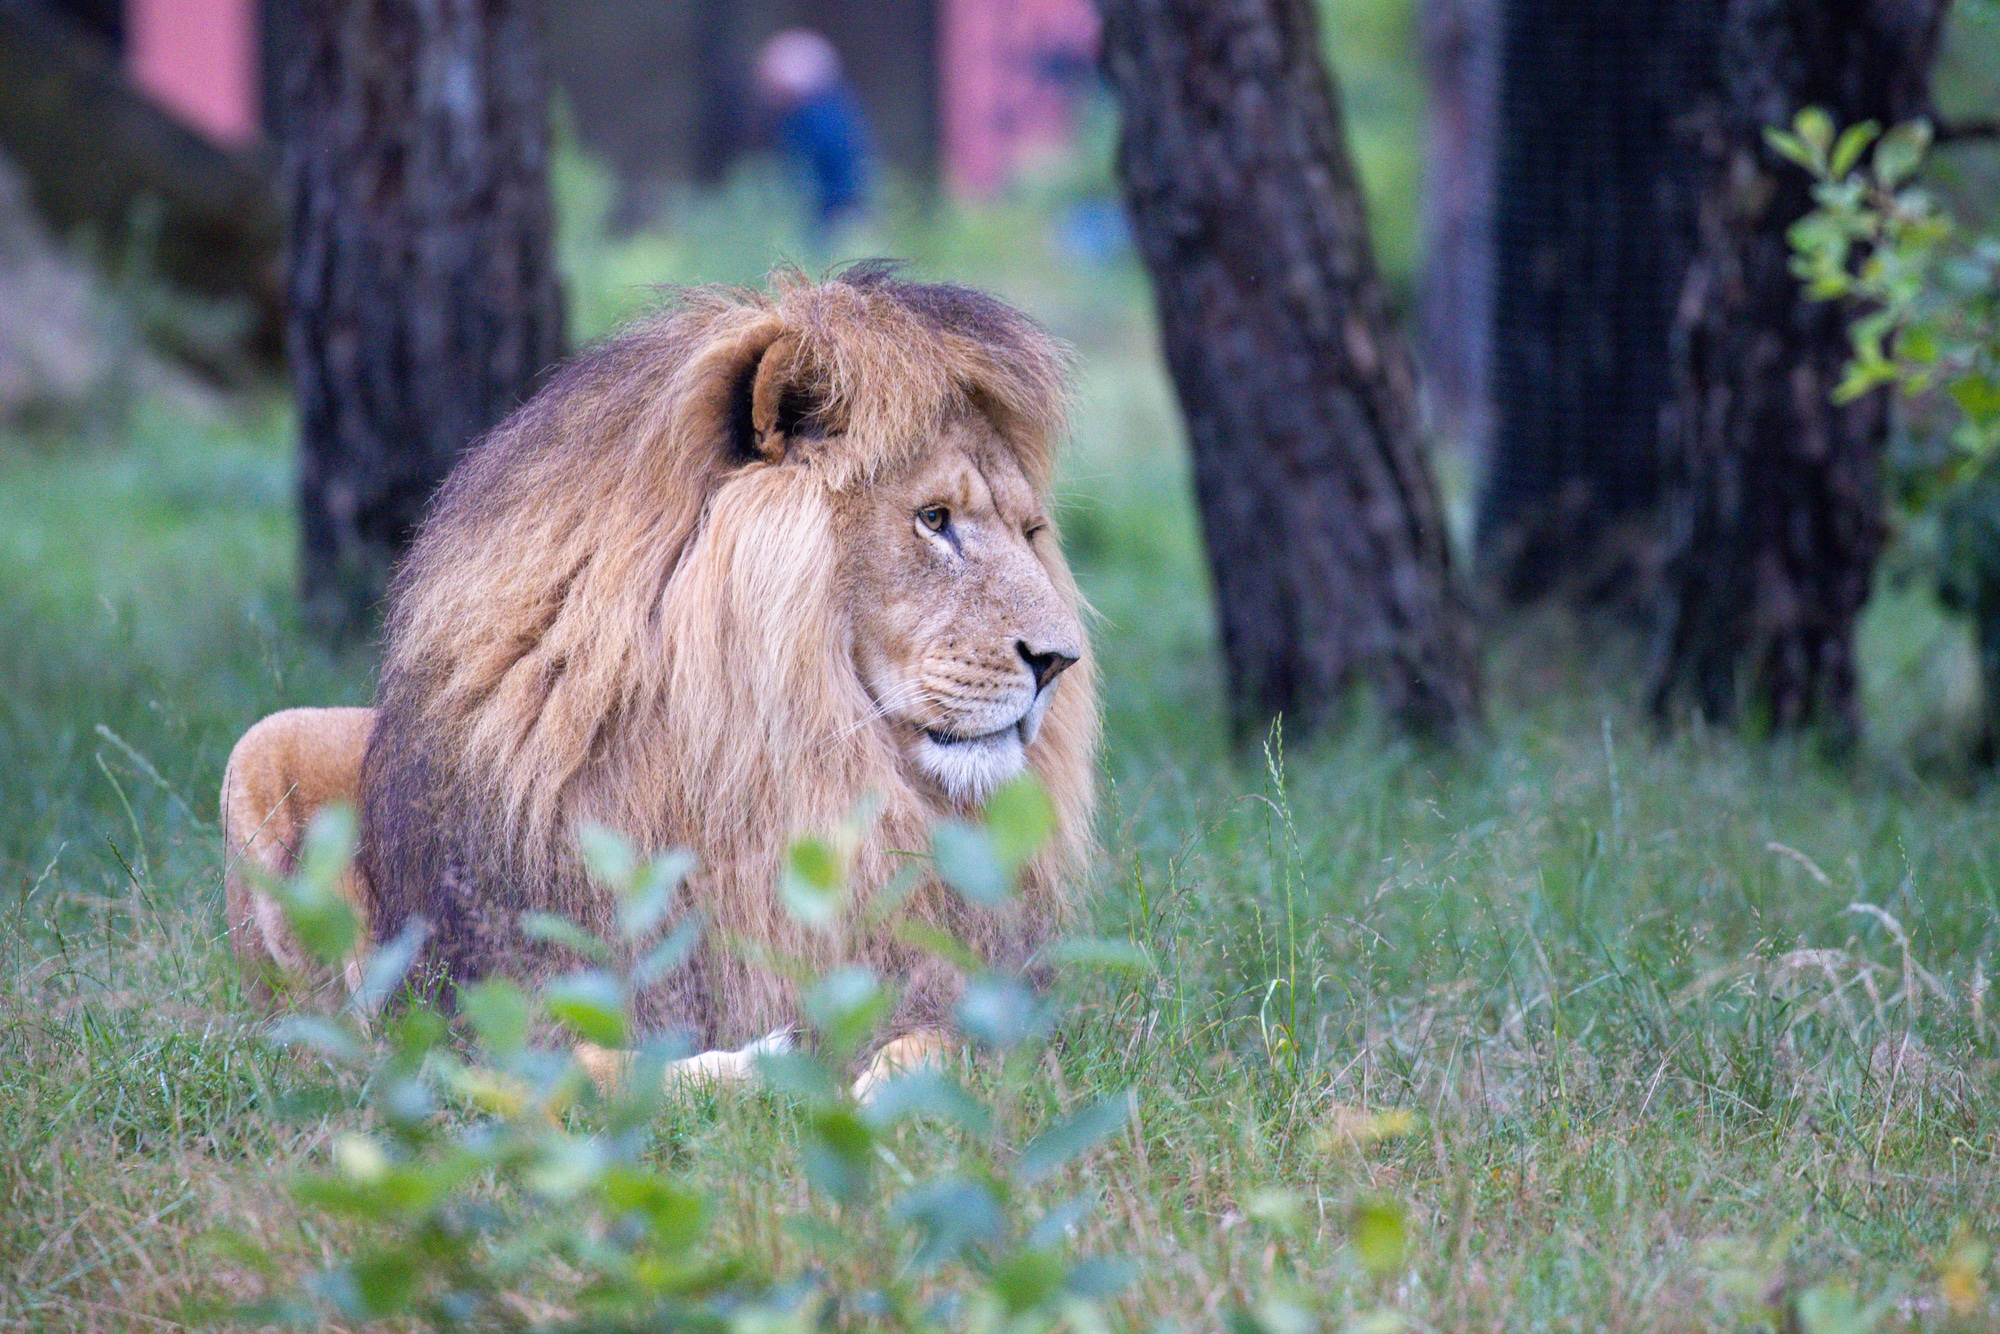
x=1685, y=1028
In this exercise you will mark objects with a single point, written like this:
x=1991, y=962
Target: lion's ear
x=785, y=404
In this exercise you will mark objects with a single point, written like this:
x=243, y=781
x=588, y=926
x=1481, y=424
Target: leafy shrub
x=1928, y=293
x=492, y=1184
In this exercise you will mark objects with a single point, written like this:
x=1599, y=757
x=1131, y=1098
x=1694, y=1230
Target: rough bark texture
x=423, y=300
x=1323, y=524
x=1593, y=232
x=1461, y=47
x=1775, y=516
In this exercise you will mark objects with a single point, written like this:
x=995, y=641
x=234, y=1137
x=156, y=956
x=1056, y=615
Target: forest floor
x=1684, y=1026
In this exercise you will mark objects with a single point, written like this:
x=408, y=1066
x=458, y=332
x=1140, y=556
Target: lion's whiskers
x=904, y=694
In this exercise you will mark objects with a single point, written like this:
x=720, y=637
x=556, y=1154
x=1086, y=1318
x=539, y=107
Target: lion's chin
x=970, y=769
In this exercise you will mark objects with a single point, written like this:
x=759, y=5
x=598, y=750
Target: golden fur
x=281, y=772
x=635, y=604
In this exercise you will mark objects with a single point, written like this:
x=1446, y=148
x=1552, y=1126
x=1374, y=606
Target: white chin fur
x=970, y=771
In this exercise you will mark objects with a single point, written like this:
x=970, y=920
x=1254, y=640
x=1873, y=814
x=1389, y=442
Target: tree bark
x=1323, y=525
x=423, y=298
x=1593, y=233
x=1775, y=511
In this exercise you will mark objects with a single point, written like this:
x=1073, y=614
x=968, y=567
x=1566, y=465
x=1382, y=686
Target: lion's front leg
x=926, y=1046
x=607, y=1068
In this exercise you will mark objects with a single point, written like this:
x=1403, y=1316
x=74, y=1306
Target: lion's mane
x=619, y=611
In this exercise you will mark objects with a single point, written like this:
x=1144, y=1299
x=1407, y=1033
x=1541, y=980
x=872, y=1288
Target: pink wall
x=198, y=59
x=1003, y=98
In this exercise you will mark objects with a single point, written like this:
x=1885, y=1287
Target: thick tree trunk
x=1775, y=516
x=1593, y=232
x=423, y=300
x=1461, y=45
x=1323, y=523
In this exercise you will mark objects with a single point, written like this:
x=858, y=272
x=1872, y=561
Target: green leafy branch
x=492, y=1184
x=1929, y=293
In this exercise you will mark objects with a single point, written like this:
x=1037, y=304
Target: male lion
x=755, y=562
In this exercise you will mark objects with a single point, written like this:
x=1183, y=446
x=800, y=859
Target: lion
x=760, y=562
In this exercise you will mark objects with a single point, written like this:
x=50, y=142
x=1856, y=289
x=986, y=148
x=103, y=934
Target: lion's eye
x=1033, y=529
x=934, y=517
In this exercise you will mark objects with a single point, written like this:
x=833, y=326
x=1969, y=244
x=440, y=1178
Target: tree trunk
x=1461, y=46
x=423, y=299
x=1323, y=524
x=1593, y=232
x=1775, y=516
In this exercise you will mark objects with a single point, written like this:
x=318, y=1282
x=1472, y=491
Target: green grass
x=1616, y=981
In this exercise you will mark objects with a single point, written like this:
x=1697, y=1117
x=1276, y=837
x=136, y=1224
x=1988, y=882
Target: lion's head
x=758, y=560
x=962, y=628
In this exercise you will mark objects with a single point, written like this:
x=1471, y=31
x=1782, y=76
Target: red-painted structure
x=198, y=59
x=1009, y=73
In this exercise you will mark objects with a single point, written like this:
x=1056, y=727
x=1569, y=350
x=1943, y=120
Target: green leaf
x=1118, y=956
x=1814, y=128
x=1978, y=397
x=331, y=836
x=928, y=1092
x=1848, y=148
x=1101, y=1277
x=378, y=1286
x=798, y=1074
x=839, y=1154
x=1064, y=1144
x=969, y=862
x=607, y=854
x=1027, y=1279
x=550, y=929
x=1918, y=343
x=1862, y=379
x=1053, y=1227
x=813, y=887
x=1019, y=820
x=591, y=1005
x=1789, y=146
x=565, y=1167
x=1832, y=1308
x=845, y=1006
x=651, y=898
x=671, y=953
x=675, y=1218
x=952, y=1213
x=388, y=966
x=415, y=1033
x=1281, y=1210
x=322, y=1035
x=1381, y=1235
x=499, y=1013
x=937, y=943
x=314, y=906
x=1001, y=1011
x=1901, y=152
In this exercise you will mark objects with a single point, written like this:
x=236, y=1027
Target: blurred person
x=817, y=121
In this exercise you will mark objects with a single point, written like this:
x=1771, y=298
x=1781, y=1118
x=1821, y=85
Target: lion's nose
x=1045, y=666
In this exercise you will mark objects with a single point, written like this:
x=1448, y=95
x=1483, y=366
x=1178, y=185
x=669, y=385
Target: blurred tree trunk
x=1593, y=232
x=421, y=280
x=1461, y=48
x=1324, y=528
x=1775, y=516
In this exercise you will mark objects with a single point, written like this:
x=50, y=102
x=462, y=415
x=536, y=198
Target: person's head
x=795, y=66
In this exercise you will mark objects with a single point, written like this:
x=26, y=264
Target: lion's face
x=962, y=628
